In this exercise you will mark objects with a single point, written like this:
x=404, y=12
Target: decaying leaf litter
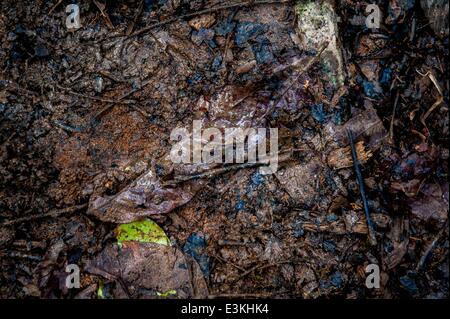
x=85, y=138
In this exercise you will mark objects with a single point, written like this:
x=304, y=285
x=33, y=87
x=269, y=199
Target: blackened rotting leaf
x=318, y=112
x=329, y=246
x=40, y=51
x=217, y=63
x=248, y=31
x=336, y=279
x=409, y=284
x=142, y=198
x=224, y=27
x=74, y=255
x=262, y=50
x=195, y=246
x=372, y=89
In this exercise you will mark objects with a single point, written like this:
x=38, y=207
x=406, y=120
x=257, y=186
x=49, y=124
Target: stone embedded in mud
x=317, y=26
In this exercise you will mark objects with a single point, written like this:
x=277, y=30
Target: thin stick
x=359, y=178
x=391, y=127
x=101, y=7
x=132, y=91
x=205, y=11
x=211, y=173
x=438, y=102
x=261, y=267
x=54, y=7
x=222, y=170
x=69, y=128
x=228, y=262
x=52, y=213
x=118, y=101
x=136, y=17
x=430, y=248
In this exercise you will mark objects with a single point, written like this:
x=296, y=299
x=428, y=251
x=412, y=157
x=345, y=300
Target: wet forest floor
x=85, y=123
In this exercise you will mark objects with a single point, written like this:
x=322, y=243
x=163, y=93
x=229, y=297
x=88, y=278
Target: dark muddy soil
x=85, y=124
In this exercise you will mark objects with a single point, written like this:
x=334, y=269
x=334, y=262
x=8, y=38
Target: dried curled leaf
x=144, y=197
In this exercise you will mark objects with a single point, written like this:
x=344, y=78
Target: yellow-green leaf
x=100, y=294
x=167, y=293
x=144, y=231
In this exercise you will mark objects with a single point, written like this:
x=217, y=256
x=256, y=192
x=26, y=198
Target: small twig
x=261, y=267
x=219, y=171
x=205, y=11
x=111, y=103
x=106, y=108
x=118, y=101
x=391, y=127
x=223, y=242
x=54, y=7
x=228, y=262
x=20, y=255
x=211, y=173
x=136, y=17
x=359, y=178
x=430, y=248
x=69, y=128
x=423, y=118
x=11, y=85
x=101, y=7
x=413, y=30
x=52, y=213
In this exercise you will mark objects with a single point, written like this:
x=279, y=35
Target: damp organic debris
x=224, y=149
